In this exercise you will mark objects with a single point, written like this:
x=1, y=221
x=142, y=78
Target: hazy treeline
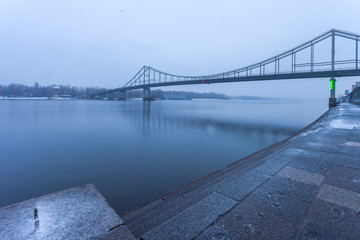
x=189, y=95
x=36, y=90
x=18, y=90
x=159, y=94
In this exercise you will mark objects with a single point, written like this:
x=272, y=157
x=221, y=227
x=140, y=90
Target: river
x=133, y=151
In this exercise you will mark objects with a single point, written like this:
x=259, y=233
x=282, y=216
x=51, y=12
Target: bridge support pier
x=332, y=99
x=146, y=95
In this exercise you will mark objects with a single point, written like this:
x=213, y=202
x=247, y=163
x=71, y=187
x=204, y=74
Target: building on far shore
x=175, y=97
x=56, y=92
x=65, y=96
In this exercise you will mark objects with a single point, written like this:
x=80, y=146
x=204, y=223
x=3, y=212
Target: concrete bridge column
x=146, y=94
x=332, y=99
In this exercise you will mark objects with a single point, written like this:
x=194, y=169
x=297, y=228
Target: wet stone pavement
x=306, y=187
x=75, y=213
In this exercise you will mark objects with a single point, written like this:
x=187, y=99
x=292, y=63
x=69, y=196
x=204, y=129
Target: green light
x=332, y=84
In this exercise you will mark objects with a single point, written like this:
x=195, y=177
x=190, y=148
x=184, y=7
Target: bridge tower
x=332, y=99
x=146, y=94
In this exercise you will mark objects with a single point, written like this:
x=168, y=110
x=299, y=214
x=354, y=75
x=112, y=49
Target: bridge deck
x=306, y=187
x=283, y=76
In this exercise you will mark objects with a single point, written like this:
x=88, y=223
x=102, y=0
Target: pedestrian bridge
x=332, y=54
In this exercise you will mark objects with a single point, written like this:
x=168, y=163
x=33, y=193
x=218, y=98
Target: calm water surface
x=133, y=151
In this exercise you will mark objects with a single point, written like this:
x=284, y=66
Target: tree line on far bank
x=37, y=90
x=20, y=90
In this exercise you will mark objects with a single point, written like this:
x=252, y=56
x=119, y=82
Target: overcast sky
x=105, y=42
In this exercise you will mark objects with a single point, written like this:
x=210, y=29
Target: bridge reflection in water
x=151, y=120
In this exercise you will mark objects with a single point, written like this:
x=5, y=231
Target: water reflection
x=144, y=118
x=151, y=119
x=132, y=151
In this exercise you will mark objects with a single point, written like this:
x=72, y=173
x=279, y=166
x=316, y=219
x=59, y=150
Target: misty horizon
x=105, y=46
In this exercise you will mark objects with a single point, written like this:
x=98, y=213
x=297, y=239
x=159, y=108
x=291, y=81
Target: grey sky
x=104, y=43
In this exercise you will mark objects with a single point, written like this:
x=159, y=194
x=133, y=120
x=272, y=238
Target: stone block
x=193, y=220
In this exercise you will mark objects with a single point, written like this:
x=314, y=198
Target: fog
x=104, y=43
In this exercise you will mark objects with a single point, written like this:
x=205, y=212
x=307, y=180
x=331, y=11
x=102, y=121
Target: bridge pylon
x=147, y=94
x=332, y=99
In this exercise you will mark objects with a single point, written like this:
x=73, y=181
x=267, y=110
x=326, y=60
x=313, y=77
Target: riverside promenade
x=305, y=187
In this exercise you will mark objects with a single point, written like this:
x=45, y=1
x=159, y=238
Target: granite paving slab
x=193, y=220
x=76, y=213
x=314, y=161
x=279, y=204
x=299, y=190
x=344, y=177
x=246, y=221
x=301, y=175
x=216, y=232
x=314, y=231
x=348, y=160
x=119, y=233
x=340, y=219
x=243, y=185
x=341, y=197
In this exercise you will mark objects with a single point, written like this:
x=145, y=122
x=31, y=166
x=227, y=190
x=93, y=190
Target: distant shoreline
x=34, y=98
x=140, y=99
